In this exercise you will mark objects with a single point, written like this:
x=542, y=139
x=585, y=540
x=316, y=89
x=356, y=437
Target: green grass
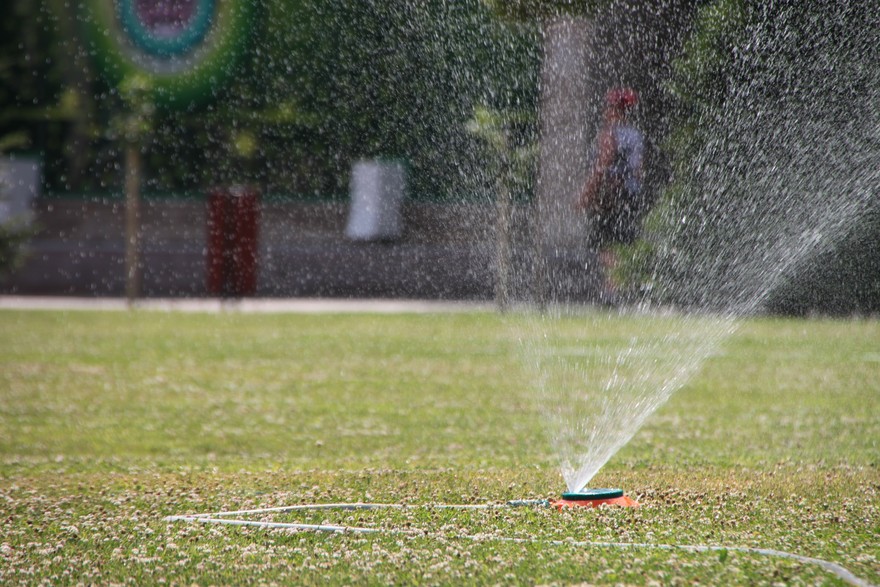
x=111, y=421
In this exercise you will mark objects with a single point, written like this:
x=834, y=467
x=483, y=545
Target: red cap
x=622, y=97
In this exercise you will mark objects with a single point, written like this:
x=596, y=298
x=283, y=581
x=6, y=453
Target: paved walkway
x=249, y=305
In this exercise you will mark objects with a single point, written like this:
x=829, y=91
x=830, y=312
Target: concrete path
x=249, y=305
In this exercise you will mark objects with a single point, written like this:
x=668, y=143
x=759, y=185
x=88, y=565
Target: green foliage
x=43, y=98
x=539, y=9
x=510, y=151
x=700, y=79
x=323, y=84
x=401, y=80
x=29, y=79
x=15, y=140
x=331, y=82
x=700, y=84
x=135, y=123
x=490, y=126
x=12, y=240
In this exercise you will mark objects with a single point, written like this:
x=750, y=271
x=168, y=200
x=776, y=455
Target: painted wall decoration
x=188, y=48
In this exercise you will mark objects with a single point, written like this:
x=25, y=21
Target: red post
x=233, y=238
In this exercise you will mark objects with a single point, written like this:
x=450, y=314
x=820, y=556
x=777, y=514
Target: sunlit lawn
x=111, y=421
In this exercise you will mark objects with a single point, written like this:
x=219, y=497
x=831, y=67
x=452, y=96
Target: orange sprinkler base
x=622, y=501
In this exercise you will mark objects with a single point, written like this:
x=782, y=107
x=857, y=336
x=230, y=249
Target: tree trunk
x=132, y=222
x=564, y=143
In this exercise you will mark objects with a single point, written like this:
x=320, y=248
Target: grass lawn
x=111, y=421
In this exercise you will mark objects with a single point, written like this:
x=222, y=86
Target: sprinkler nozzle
x=593, y=498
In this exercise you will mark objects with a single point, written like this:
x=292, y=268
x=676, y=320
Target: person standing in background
x=613, y=192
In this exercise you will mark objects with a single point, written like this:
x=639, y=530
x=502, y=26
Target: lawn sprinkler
x=593, y=498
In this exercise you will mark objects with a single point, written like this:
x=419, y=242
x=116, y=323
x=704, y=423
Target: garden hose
x=226, y=518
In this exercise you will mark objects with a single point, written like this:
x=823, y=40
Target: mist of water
x=601, y=375
x=788, y=169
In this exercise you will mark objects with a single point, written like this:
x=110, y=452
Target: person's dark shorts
x=617, y=225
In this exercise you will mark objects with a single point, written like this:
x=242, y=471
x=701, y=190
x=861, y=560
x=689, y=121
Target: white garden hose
x=226, y=518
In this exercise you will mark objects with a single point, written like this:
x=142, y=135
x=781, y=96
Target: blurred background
x=384, y=148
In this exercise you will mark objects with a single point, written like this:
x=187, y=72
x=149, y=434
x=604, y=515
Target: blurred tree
x=332, y=81
x=543, y=9
x=28, y=79
x=132, y=129
x=34, y=108
x=510, y=149
x=393, y=79
x=43, y=92
x=326, y=82
x=76, y=103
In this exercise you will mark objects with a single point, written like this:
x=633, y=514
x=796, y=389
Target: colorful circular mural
x=186, y=47
x=165, y=28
